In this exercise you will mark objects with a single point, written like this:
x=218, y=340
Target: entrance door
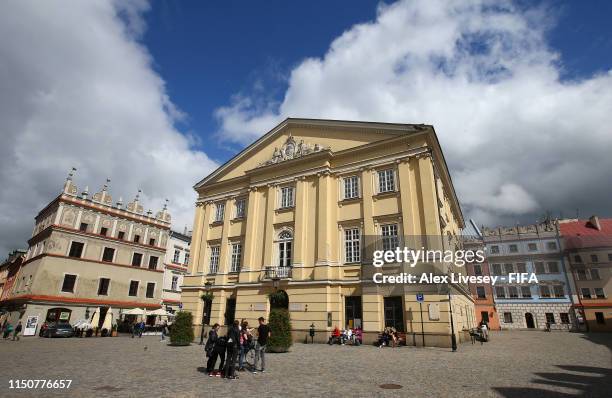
x=529, y=320
x=394, y=313
x=103, y=311
x=352, y=311
x=230, y=311
x=484, y=316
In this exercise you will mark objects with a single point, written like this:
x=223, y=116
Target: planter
x=277, y=350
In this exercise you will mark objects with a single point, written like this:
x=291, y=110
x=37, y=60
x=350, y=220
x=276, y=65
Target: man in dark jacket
x=233, y=339
x=211, y=352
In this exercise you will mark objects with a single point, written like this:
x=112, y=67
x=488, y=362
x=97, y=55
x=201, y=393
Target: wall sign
x=31, y=325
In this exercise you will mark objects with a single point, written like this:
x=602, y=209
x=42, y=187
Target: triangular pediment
x=300, y=138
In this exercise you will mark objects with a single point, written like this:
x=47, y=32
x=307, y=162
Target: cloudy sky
x=156, y=95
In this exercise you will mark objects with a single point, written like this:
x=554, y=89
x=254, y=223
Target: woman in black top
x=233, y=339
x=211, y=352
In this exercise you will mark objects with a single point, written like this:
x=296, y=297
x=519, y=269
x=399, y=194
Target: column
x=251, y=238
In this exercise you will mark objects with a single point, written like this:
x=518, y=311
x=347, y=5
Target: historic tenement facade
x=302, y=209
x=588, y=251
x=529, y=249
x=88, y=252
x=175, y=268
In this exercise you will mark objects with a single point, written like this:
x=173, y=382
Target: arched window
x=285, y=241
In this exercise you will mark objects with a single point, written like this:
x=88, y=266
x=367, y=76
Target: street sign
x=420, y=298
x=180, y=306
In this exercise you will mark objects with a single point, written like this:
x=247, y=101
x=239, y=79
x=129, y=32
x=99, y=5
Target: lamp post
x=450, y=307
x=205, y=304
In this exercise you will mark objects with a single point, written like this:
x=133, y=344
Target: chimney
x=594, y=221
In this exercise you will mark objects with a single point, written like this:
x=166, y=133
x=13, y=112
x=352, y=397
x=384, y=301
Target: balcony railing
x=277, y=272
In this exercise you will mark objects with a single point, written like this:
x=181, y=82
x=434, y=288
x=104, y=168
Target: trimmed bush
x=181, y=331
x=280, y=330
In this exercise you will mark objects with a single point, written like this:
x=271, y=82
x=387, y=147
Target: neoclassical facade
x=303, y=208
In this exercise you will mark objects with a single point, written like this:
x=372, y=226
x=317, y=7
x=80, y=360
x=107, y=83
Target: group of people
x=234, y=347
x=388, y=337
x=7, y=329
x=348, y=335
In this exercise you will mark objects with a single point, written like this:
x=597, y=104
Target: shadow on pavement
x=591, y=382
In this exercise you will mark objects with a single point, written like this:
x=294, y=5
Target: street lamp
x=205, y=304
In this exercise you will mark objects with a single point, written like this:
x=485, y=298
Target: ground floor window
x=352, y=311
x=507, y=317
x=564, y=317
x=230, y=311
x=394, y=313
x=61, y=315
x=550, y=317
x=599, y=317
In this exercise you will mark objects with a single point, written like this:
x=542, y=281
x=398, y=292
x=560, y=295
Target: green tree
x=181, y=332
x=280, y=330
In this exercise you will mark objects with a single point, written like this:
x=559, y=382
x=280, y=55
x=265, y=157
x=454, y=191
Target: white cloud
x=77, y=89
x=518, y=140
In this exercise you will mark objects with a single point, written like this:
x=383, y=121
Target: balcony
x=278, y=272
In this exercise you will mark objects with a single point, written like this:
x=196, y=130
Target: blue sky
x=208, y=51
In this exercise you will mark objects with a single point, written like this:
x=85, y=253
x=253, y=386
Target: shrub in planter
x=280, y=330
x=181, y=332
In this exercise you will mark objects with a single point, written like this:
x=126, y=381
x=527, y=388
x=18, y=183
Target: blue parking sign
x=420, y=298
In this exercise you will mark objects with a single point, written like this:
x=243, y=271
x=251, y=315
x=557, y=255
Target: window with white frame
x=508, y=268
x=287, y=197
x=594, y=273
x=586, y=292
x=599, y=293
x=285, y=243
x=352, y=247
x=512, y=292
x=559, y=291
x=240, y=207
x=581, y=274
x=214, y=259
x=174, y=285
x=177, y=256
x=494, y=249
x=553, y=267
x=513, y=248
x=539, y=268
x=525, y=291
x=219, y=212
x=386, y=181
x=521, y=267
x=351, y=187
x=551, y=245
x=500, y=292
x=544, y=291
x=532, y=247
x=389, y=237
x=186, y=261
x=236, y=257
x=507, y=317
x=497, y=269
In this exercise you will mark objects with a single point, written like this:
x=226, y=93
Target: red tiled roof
x=581, y=234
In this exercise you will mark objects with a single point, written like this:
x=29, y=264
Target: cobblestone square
x=513, y=364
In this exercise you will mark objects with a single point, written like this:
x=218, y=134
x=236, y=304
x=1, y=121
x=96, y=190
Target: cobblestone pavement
x=513, y=364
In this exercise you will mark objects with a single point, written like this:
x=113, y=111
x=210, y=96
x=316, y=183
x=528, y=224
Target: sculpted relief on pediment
x=292, y=150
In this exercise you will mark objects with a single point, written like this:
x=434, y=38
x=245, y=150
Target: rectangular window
x=103, y=285
x=186, y=259
x=564, y=317
x=103, y=231
x=513, y=248
x=386, y=181
x=69, y=282
x=121, y=235
x=177, y=256
x=594, y=273
x=550, y=317
x=136, y=238
x=512, y=292
x=214, y=259
x=240, y=208
x=108, y=255
x=477, y=269
x=352, y=247
x=525, y=291
x=497, y=269
x=559, y=291
x=539, y=268
x=609, y=256
x=508, y=268
x=287, y=197
x=553, y=267
x=351, y=187
x=599, y=317
x=137, y=259
x=83, y=227
x=174, y=285
x=150, y=290
x=133, y=288
x=551, y=245
x=544, y=291
x=521, y=267
x=581, y=274
x=76, y=249
x=599, y=293
x=507, y=317
x=236, y=257
x=480, y=292
x=586, y=292
x=153, y=262
x=152, y=242
x=500, y=292
x=495, y=249
x=389, y=237
x=219, y=212
x=577, y=258
x=532, y=247
x=594, y=258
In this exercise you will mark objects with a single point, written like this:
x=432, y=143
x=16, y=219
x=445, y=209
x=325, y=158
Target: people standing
x=245, y=339
x=211, y=352
x=164, y=331
x=8, y=328
x=263, y=333
x=233, y=340
x=17, y=331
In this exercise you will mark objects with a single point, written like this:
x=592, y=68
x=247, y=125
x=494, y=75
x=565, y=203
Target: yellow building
x=303, y=208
